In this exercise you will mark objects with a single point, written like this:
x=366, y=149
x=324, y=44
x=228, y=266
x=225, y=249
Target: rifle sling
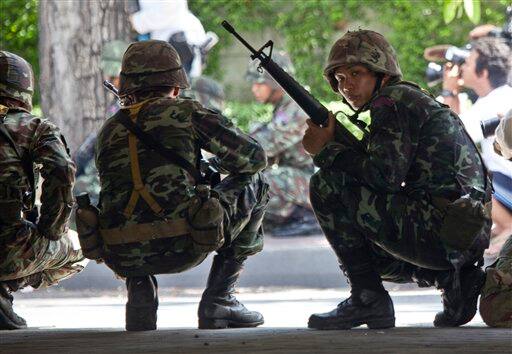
x=154, y=145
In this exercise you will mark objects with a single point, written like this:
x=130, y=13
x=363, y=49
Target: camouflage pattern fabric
x=416, y=149
x=184, y=126
x=290, y=166
x=16, y=79
x=496, y=296
x=139, y=73
x=45, y=248
x=362, y=47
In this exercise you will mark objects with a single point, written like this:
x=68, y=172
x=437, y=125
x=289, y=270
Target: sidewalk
x=96, y=324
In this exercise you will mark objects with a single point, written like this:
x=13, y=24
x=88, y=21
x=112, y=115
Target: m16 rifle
x=318, y=113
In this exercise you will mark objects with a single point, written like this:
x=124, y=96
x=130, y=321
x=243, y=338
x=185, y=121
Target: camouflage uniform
x=206, y=91
x=290, y=166
x=38, y=254
x=377, y=207
x=496, y=298
x=184, y=126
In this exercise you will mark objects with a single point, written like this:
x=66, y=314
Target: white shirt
x=163, y=18
x=497, y=101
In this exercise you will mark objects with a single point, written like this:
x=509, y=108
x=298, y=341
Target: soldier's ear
x=175, y=92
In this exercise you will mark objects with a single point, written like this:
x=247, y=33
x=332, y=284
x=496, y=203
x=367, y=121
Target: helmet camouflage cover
x=207, y=91
x=16, y=78
x=111, y=57
x=150, y=64
x=281, y=58
x=362, y=47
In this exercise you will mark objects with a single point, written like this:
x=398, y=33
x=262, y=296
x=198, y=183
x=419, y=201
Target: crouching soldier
x=157, y=216
x=34, y=251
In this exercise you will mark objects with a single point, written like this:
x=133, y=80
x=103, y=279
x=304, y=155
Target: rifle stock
x=318, y=113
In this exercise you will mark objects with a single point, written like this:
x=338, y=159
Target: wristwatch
x=448, y=93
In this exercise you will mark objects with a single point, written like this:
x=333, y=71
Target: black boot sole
x=223, y=323
x=380, y=323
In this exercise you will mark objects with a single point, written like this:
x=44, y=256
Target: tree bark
x=72, y=34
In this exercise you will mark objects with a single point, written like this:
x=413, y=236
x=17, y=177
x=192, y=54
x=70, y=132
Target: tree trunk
x=72, y=34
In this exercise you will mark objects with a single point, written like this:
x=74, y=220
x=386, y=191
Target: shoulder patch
x=383, y=101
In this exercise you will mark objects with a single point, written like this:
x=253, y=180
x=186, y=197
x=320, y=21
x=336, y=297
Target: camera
x=457, y=56
x=489, y=126
x=443, y=53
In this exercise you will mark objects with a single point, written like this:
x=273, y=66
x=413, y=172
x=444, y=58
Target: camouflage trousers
x=244, y=199
x=31, y=259
x=496, y=297
x=289, y=187
x=402, y=233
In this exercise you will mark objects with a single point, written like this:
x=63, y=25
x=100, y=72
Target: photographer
x=487, y=72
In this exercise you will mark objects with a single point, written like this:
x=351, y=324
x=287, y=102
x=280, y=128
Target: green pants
x=401, y=232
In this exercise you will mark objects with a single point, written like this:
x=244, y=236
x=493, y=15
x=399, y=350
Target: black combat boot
x=368, y=303
x=459, y=304
x=8, y=318
x=142, y=303
x=218, y=307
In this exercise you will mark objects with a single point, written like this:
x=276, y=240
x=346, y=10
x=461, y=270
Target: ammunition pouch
x=205, y=215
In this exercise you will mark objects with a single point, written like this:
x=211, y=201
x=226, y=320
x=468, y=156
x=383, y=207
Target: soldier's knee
x=496, y=310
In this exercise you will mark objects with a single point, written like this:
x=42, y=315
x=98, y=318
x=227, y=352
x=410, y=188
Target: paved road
x=95, y=324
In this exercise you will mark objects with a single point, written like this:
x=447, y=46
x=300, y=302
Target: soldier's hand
x=315, y=137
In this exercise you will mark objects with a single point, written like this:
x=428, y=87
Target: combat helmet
x=111, y=57
x=281, y=58
x=16, y=79
x=208, y=92
x=362, y=47
x=150, y=64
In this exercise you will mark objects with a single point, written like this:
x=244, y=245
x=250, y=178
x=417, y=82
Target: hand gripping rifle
x=318, y=113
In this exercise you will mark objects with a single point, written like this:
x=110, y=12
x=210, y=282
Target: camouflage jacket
x=43, y=142
x=415, y=145
x=282, y=136
x=179, y=124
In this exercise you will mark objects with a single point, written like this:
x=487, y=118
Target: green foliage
x=309, y=28
x=247, y=115
x=452, y=8
x=19, y=32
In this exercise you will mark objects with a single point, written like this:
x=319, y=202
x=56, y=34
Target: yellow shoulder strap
x=139, y=189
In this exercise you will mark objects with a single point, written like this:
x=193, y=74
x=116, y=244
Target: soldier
x=147, y=202
x=87, y=180
x=207, y=91
x=395, y=210
x=289, y=211
x=38, y=252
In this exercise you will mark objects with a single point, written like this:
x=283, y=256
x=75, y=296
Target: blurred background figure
x=487, y=72
x=172, y=21
x=208, y=92
x=87, y=180
x=289, y=212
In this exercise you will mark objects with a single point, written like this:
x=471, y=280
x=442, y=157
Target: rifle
x=318, y=113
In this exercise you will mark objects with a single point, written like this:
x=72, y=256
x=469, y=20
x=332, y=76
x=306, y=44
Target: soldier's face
x=261, y=92
x=356, y=84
